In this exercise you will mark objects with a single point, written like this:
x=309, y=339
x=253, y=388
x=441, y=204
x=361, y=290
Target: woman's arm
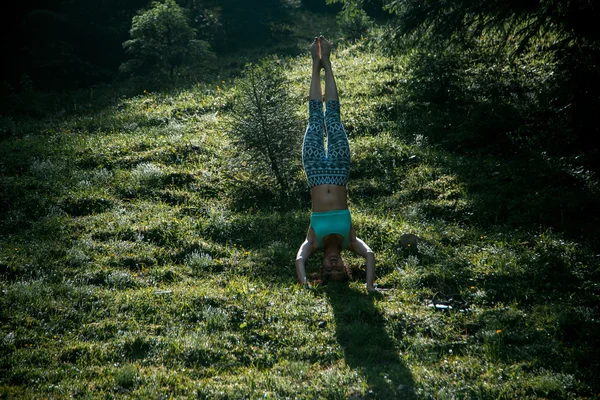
x=306, y=249
x=362, y=249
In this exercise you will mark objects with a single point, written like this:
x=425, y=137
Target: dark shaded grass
x=360, y=329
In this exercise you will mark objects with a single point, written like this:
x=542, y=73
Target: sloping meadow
x=140, y=258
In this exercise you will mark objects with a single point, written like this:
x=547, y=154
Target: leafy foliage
x=537, y=61
x=520, y=37
x=162, y=38
x=238, y=24
x=516, y=22
x=319, y=6
x=353, y=21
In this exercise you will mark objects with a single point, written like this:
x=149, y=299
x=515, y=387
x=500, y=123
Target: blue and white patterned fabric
x=322, y=167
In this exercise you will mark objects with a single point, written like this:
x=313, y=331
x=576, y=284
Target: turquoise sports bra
x=331, y=222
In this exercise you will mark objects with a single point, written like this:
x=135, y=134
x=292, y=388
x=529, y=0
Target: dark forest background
x=64, y=44
x=473, y=56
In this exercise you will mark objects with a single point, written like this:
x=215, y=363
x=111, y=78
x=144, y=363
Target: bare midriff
x=329, y=197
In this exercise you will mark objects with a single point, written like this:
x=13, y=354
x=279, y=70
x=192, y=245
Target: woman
x=330, y=227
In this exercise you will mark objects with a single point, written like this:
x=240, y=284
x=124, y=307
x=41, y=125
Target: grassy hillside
x=138, y=260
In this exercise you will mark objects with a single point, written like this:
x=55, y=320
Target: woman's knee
x=332, y=109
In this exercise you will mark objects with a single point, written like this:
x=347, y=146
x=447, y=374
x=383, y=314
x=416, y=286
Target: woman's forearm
x=370, y=270
x=300, y=271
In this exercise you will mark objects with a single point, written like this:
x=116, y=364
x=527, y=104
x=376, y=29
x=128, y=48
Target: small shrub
x=126, y=377
x=263, y=125
x=199, y=262
x=148, y=173
x=120, y=280
x=216, y=319
x=77, y=257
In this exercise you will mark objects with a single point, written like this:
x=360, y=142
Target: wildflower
x=498, y=331
x=472, y=287
x=144, y=91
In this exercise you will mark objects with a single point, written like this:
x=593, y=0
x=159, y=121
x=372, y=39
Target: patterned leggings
x=331, y=167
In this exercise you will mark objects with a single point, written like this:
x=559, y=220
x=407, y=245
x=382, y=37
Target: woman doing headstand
x=327, y=171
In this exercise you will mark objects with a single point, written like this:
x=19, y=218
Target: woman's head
x=333, y=268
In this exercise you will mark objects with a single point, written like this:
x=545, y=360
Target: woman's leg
x=315, y=82
x=313, y=148
x=331, y=92
x=338, y=149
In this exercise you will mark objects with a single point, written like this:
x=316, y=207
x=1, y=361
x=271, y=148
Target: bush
x=126, y=377
x=353, y=22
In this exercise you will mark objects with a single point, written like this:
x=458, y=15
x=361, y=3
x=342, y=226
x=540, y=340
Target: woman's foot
x=315, y=51
x=325, y=49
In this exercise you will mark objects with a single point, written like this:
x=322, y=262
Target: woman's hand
x=301, y=272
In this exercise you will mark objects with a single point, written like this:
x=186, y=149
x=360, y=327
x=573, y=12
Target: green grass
x=134, y=264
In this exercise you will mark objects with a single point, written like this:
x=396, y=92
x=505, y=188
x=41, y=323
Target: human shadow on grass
x=367, y=347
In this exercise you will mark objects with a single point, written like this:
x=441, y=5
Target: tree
x=518, y=21
x=162, y=38
x=239, y=24
x=506, y=46
x=353, y=21
x=262, y=121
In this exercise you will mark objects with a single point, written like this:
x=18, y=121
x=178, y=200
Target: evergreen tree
x=242, y=23
x=162, y=38
x=494, y=45
x=263, y=125
x=353, y=21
